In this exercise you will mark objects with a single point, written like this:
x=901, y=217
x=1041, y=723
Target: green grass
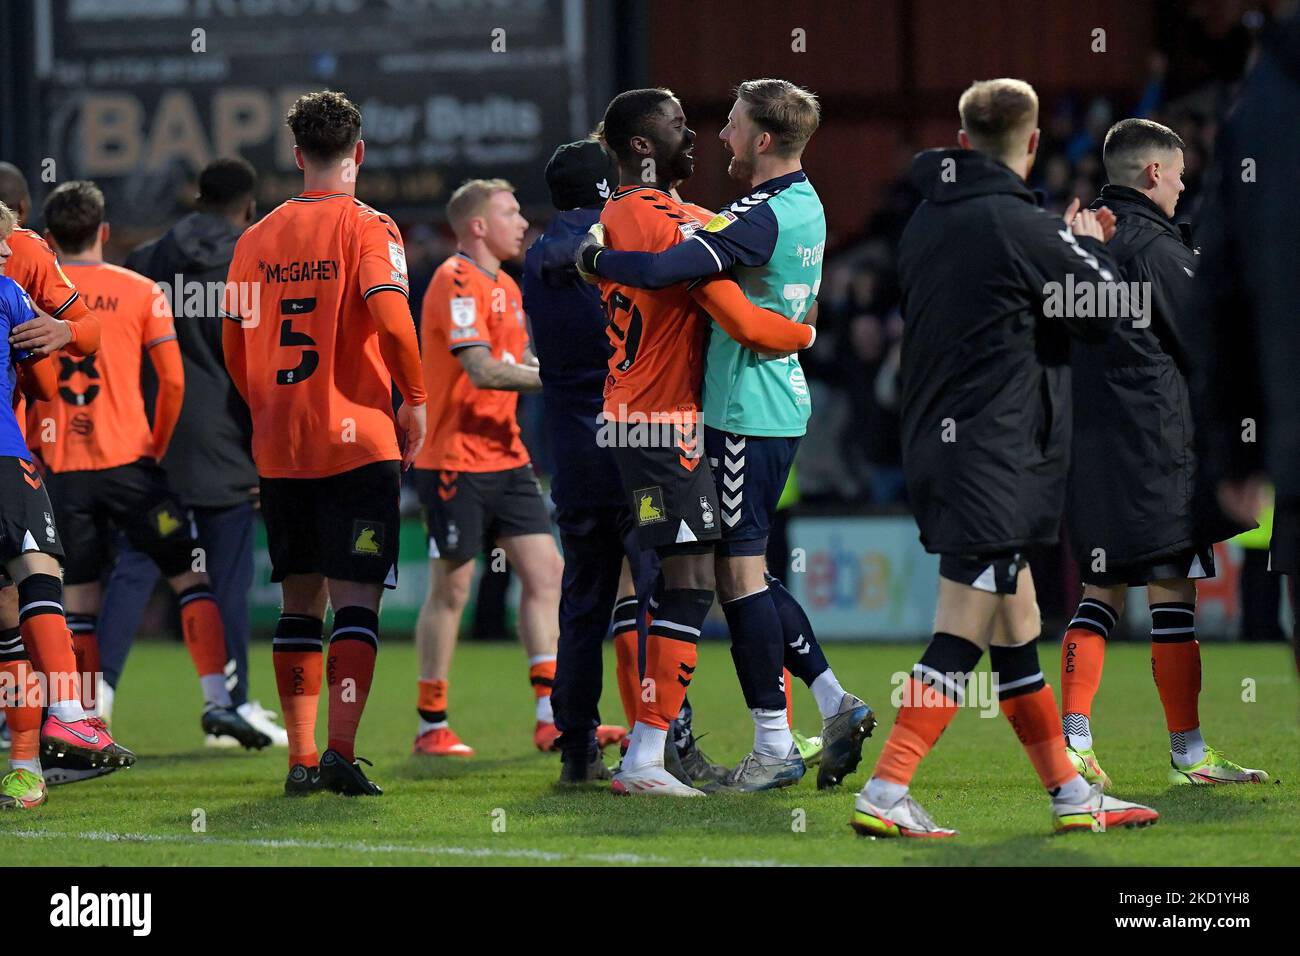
x=443, y=812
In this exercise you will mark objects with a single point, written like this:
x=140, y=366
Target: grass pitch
x=502, y=808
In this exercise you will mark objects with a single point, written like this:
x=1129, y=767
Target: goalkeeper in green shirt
x=756, y=409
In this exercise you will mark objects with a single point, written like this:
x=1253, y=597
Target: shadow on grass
x=458, y=768
x=1213, y=804
x=193, y=757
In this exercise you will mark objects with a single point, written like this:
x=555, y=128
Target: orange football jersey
x=316, y=383
x=98, y=419
x=34, y=266
x=658, y=335
x=470, y=429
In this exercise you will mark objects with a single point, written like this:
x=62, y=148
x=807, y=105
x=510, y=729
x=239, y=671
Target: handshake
x=588, y=251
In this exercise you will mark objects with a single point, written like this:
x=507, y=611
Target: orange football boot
x=441, y=742
x=608, y=734
x=545, y=736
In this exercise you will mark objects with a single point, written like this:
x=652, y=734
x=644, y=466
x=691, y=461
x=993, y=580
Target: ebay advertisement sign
x=863, y=577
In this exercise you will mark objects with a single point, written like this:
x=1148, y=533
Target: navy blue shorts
x=750, y=472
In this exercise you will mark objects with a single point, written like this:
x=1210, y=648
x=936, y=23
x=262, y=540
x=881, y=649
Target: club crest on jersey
x=649, y=505
x=719, y=222
x=367, y=537
x=463, y=311
x=49, y=527
x=706, y=511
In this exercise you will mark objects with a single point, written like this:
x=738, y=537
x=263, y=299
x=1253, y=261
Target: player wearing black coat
x=985, y=376
x=1133, y=465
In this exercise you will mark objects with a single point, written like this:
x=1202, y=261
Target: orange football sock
x=1082, y=655
x=670, y=653
x=45, y=636
x=541, y=675
x=924, y=716
x=85, y=645
x=1083, y=651
x=1034, y=718
x=627, y=669
x=350, y=672
x=298, y=667
x=670, y=665
x=205, y=635
x=1177, y=672
x=431, y=700
x=23, y=711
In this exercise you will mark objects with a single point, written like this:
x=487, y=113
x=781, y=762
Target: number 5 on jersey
x=291, y=339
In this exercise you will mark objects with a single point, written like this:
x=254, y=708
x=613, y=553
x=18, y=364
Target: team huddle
x=664, y=339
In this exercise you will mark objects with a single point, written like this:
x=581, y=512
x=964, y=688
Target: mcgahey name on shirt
x=306, y=270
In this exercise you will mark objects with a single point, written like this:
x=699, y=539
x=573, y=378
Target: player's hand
x=42, y=335
x=1083, y=222
x=1106, y=219
x=413, y=420
x=1243, y=501
x=590, y=247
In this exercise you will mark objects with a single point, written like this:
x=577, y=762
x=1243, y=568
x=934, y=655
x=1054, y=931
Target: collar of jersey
x=315, y=196
x=780, y=182
x=470, y=259
x=622, y=191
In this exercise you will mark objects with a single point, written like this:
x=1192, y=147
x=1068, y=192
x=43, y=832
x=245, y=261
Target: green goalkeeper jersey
x=773, y=241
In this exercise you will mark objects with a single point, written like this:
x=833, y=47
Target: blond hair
x=8, y=219
x=999, y=114
x=471, y=198
x=789, y=112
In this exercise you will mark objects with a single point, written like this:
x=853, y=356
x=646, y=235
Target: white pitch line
x=545, y=856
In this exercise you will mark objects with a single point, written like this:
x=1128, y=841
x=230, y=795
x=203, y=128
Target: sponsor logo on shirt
x=719, y=222
x=397, y=256
x=649, y=505
x=166, y=522
x=367, y=538
x=463, y=311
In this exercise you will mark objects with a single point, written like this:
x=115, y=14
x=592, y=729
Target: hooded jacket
x=569, y=339
x=985, y=374
x=209, y=462
x=1133, y=469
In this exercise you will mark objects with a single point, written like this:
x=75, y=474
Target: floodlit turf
x=450, y=811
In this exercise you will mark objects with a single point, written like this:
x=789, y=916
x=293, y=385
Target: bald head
x=13, y=190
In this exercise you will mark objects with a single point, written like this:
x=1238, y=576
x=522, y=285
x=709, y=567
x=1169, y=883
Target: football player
x=319, y=332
